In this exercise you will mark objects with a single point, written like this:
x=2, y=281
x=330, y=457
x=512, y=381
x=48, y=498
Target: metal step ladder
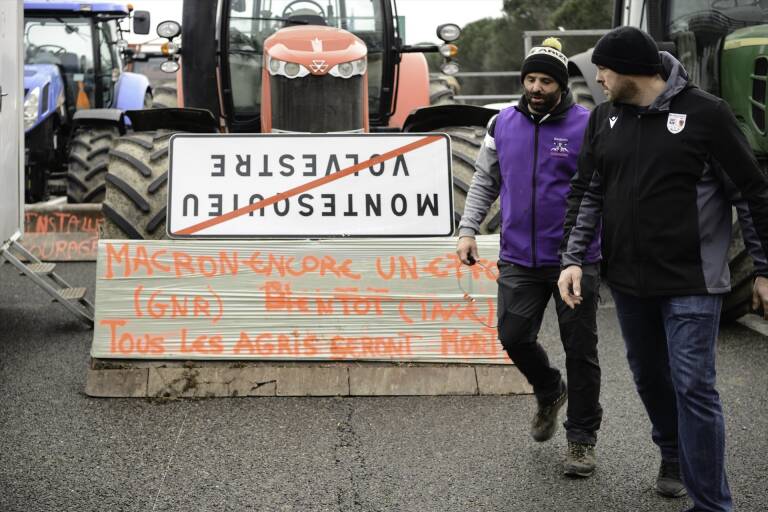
x=72, y=298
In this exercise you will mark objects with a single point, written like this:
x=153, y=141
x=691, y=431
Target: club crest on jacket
x=675, y=123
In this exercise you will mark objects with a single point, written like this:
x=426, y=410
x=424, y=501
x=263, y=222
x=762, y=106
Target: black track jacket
x=663, y=180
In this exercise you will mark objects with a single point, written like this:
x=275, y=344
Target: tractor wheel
x=465, y=145
x=136, y=189
x=165, y=95
x=581, y=93
x=88, y=156
x=442, y=89
x=738, y=301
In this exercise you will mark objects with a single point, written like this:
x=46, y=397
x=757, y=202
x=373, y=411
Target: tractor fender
x=194, y=120
x=431, y=118
x=581, y=64
x=131, y=90
x=100, y=117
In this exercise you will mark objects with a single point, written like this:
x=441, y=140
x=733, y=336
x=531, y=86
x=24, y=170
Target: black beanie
x=628, y=51
x=547, y=59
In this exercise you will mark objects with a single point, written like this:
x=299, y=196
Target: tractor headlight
x=291, y=69
x=286, y=69
x=31, y=108
x=349, y=69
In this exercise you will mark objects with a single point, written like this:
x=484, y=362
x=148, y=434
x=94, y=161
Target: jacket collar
x=560, y=111
x=677, y=80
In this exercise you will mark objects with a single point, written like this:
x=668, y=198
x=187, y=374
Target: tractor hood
x=37, y=75
x=78, y=8
x=317, y=48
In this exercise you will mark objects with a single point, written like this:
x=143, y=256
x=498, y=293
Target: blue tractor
x=75, y=92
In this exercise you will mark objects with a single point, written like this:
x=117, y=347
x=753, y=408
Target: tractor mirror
x=238, y=5
x=141, y=22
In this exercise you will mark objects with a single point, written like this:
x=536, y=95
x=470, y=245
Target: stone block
x=501, y=380
x=312, y=381
x=117, y=383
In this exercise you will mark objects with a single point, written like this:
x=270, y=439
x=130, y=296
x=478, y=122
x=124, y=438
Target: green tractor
x=723, y=45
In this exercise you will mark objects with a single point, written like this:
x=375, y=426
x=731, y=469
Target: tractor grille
x=317, y=104
x=758, y=99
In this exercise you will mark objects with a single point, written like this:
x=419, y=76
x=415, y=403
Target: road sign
x=307, y=185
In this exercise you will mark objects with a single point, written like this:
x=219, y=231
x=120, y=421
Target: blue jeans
x=670, y=344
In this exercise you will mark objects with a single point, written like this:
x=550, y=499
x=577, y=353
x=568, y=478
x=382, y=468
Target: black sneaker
x=580, y=460
x=668, y=483
x=545, y=420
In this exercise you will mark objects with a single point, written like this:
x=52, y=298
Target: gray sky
x=421, y=16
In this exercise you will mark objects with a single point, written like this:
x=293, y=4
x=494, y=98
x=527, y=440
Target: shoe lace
x=577, y=450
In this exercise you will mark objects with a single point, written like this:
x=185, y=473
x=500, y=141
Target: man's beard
x=550, y=100
x=624, y=91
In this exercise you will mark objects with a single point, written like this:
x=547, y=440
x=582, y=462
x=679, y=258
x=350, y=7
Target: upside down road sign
x=307, y=185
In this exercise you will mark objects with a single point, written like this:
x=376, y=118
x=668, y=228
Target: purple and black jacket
x=528, y=161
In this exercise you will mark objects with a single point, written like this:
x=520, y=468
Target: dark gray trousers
x=523, y=297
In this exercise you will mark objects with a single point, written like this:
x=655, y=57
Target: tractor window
x=109, y=69
x=67, y=43
x=697, y=27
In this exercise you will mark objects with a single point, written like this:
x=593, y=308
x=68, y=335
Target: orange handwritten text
x=346, y=301
x=173, y=305
x=126, y=343
x=268, y=344
x=367, y=347
x=482, y=343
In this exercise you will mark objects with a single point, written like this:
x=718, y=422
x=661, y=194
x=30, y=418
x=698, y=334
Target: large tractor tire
x=442, y=89
x=738, y=302
x=465, y=145
x=581, y=93
x=88, y=157
x=136, y=187
x=165, y=95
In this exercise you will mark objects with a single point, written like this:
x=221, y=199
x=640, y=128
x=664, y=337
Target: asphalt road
x=61, y=450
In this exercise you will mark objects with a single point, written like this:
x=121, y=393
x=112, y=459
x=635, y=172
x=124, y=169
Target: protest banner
x=404, y=300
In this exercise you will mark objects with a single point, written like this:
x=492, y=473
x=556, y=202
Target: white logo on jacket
x=612, y=120
x=676, y=123
x=559, y=147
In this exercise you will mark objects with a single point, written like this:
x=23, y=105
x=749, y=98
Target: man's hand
x=569, y=285
x=760, y=295
x=466, y=249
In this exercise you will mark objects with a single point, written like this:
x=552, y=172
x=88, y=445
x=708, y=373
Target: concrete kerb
x=112, y=378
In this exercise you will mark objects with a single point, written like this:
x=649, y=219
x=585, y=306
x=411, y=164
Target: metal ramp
x=72, y=298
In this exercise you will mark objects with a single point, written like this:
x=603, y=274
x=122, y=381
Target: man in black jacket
x=661, y=164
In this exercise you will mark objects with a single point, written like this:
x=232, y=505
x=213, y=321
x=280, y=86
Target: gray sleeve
x=485, y=186
x=747, y=224
x=585, y=206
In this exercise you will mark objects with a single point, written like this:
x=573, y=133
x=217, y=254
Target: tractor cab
x=696, y=31
x=71, y=54
x=72, y=65
x=299, y=65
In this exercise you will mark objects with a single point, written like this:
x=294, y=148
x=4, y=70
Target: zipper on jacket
x=635, y=213
x=533, y=193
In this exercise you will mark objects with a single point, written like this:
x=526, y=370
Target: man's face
x=542, y=92
x=618, y=88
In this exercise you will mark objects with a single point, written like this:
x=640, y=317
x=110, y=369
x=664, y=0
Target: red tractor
x=250, y=66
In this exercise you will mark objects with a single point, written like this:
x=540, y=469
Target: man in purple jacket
x=528, y=159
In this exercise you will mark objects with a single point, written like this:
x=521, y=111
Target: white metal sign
x=306, y=185
x=11, y=127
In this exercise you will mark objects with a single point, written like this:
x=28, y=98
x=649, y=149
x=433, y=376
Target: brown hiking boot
x=544, y=421
x=668, y=483
x=580, y=460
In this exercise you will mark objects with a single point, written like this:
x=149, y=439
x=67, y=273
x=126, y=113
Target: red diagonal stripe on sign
x=309, y=185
